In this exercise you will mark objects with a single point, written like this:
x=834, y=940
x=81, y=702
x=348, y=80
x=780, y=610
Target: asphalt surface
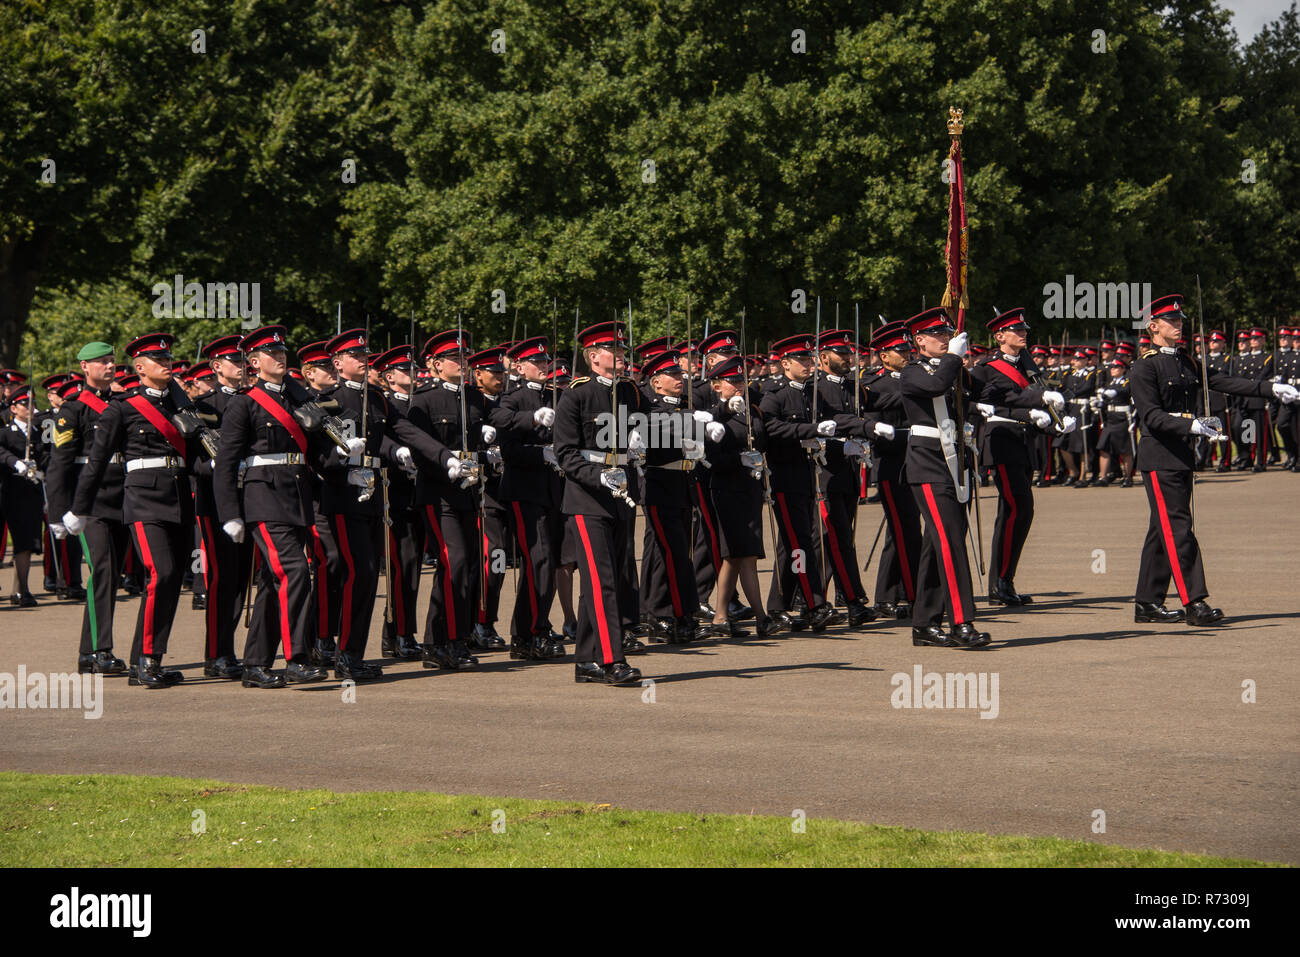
x=1145, y=723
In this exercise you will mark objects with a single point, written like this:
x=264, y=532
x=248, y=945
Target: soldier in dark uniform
x=227, y=564
x=934, y=452
x=23, y=459
x=669, y=588
x=1287, y=370
x=493, y=533
x=352, y=503
x=62, y=564
x=532, y=489
x=406, y=530
x=1239, y=366
x=840, y=480
x=600, y=493
x=1165, y=384
x=1117, y=437
x=103, y=539
x=262, y=482
x=155, y=431
x=450, y=461
x=789, y=417
x=1014, y=404
x=896, y=576
x=735, y=443
x=1259, y=368
x=1077, y=446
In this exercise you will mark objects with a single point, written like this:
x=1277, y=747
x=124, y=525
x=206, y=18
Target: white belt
x=274, y=458
x=163, y=462
x=365, y=462
x=1078, y=401
x=926, y=431
x=1121, y=408
x=1004, y=421
x=604, y=458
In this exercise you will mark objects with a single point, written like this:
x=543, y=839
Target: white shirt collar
x=450, y=386
x=604, y=381
x=837, y=379
x=401, y=395
x=228, y=390
x=795, y=384
x=671, y=399
x=272, y=386
x=896, y=375
x=539, y=386
x=1168, y=350
x=353, y=385
x=156, y=393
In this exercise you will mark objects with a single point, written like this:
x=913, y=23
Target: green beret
x=94, y=350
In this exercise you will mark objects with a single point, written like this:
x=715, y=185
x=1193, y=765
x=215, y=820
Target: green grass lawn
x=110, y=820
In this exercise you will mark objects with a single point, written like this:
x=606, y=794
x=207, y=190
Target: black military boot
x=772, y=625
x=485, y=638
x=933, y=636
x=705, y=612
x=860, y=613
x=547, y=647
x=968, y=635
x=823, y=616
x=617, y=673
x=227, y=666
x=1145, y=611
x=736, y=611
x=1200, y=613
x=387, y=647
x=408, y=649
x=149, y=674
x=662, y=632
x=101, y=662
x=301, y=673
x=199, y=602
x=686, y=630
x=631, y=646
x=349, y=665
x=323, y=652
x=256, y=676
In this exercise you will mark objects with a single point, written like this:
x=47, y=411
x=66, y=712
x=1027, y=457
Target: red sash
x=280, y=415
x=1011, y=372
x=159, y=422
x=88, y=398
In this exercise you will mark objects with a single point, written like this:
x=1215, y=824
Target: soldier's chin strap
x=947, y=439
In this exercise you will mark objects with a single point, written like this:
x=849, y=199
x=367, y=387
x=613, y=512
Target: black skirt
x=1114, y=440
x=22, y=506
x=739, y=509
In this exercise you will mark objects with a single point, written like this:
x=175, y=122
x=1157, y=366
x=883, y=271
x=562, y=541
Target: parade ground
x=1086, y=726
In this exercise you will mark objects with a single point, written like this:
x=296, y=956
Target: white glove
x=548, y=455
x=1055, y=400
x=489, y=434
x=702, y=417
x=826, y=428
x=404, y=458
x=751, y=459
x=544, y=416
x=494, y=458
x=636, y=443
x=58, y=530
x=356, y=446
x=854, y=447
x=692, y=450
x=1110, y=393
x=453, y=468
x=1287, y=393
x=234, y=528
x=1094, y=403
x=984, y=409
x=715, y=431
x=958, y=345
x=21, y=467
x=73, y=523
x=736, y=404
x=362, y=478
x=1069, y=424
x=614, y=480
x=1039, y=418
x=1200, y=428
x=884, y=430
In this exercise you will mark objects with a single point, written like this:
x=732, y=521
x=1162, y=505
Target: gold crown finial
x=954, y=121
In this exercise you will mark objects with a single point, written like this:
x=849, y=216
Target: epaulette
x=1149, y=352
x=579, y=381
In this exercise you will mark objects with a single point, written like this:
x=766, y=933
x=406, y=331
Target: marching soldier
x=1288, y=371
x=226, y=563
x=669, y=588
x=1239, y=366
x=1117, y=440
x=352, y=503
x=896, y=577
x=62, y=564
x=22, y=460
x=736, y=440
x=1076, y=446
x=445, y=431
x=489, y=370
x=1165, y=384
x=600, y=497
x=941, y=491
x=406, y=531
x=103, y=538
x=155, y=430
x=1014, y=404
x=262, y=482
x=840, y=479
x=532, y=487
x=1256, y=408
x=788, y=414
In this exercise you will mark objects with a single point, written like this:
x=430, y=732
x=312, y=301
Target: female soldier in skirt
x=21, y=495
